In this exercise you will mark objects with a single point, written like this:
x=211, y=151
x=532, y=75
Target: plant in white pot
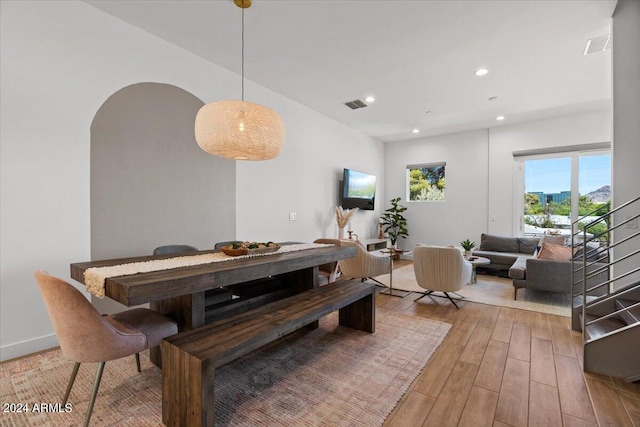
x=467, y=245
x=395, y=224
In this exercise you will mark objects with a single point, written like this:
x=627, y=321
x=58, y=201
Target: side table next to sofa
x=476, y=261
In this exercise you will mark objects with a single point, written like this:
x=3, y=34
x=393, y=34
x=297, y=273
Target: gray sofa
x=555, y=276
x=504, y=251
x=515, y=255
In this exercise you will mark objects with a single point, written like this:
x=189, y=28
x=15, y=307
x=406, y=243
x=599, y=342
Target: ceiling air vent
x=598, y=44
x=354, y=105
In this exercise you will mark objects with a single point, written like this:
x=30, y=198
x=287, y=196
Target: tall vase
x=340, y=232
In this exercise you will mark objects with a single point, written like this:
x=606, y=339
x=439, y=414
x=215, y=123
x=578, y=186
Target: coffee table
x=476, y=261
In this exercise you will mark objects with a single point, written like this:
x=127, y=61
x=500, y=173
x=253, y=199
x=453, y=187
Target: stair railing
x=602, y=254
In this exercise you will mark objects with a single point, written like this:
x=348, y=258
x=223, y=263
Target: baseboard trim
x=24, y=348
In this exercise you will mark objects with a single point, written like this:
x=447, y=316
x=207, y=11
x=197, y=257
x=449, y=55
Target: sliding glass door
x=558, y=189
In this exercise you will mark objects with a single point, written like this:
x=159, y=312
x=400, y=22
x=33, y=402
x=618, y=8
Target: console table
x=374, y=244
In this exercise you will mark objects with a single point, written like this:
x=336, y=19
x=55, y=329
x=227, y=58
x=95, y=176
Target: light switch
x=292, y=216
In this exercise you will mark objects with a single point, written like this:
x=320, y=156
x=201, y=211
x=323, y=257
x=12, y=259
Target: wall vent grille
x=354, y=105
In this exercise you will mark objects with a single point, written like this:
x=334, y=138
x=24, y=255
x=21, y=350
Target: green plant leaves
x=395, y=224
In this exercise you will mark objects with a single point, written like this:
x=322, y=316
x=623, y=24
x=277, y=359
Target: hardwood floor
x=507, y=367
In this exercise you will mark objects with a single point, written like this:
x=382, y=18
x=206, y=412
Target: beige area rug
x=491, y=290
x=333, y=376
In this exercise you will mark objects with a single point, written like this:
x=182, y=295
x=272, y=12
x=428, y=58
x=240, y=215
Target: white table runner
x=94, y=278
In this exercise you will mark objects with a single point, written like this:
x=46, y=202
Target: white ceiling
x=413, y=56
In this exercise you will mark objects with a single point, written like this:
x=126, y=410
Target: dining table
x=180, y=292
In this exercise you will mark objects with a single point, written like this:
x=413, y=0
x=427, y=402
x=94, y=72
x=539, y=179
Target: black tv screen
x=358, y=190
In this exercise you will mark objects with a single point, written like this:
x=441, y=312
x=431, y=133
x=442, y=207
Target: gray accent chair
x=174, y=249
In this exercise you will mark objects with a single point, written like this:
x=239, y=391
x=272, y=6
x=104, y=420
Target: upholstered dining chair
x=364, y=265
x=441, y=269
x=174, y=249
x=85, y=336
x=328, y=272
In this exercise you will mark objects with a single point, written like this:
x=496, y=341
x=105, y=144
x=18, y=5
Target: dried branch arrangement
x=344, y=215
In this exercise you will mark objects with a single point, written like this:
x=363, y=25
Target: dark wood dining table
x=180, y=292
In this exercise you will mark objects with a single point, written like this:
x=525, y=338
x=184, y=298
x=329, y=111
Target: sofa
x=503, y=252
x=516, y=255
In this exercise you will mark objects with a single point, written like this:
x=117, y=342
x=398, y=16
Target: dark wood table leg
x=186, y=310
x=302, y=280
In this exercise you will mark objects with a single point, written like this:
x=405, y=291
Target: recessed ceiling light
x=481, y=72
x=369, y=99
x=493, y=98
x=500, y=118
x=415, y=131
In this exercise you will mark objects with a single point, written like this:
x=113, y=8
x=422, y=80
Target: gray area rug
x=492, y=291
x=333, y=376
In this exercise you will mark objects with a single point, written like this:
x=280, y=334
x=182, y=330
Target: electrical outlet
x=292, y=216
x=632, y=224
x=493, y=218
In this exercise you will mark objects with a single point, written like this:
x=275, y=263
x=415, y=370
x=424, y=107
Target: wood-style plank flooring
x=501, y=366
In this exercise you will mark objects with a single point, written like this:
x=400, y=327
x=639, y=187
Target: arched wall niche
x=151, y=184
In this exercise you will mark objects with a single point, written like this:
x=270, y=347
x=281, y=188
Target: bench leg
x=187, y=389
x=187, y=311
x=361, y=314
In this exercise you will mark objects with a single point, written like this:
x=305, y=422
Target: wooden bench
x=190, y=358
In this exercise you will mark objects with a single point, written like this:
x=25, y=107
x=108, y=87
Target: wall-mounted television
x=358, y=190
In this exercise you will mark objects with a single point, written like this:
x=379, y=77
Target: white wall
x=304, y=179
x=60, y=61
x=464, y=212
x=626, y=101
x=626, y=128
x=480, y=174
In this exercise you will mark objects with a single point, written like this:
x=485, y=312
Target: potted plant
x=468, y=245
x=395, y=224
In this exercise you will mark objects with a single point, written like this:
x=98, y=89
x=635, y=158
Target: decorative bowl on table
x=250, y=248
x=234, y=252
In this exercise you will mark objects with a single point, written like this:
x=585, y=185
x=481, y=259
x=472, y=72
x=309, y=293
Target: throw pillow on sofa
x=555, y=252
x=555, y=239
x=527, y=245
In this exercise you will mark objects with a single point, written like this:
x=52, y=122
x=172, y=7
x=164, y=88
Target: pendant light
x=240, y=130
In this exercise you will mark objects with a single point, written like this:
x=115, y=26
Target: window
x=426, y=182
x=562, y=188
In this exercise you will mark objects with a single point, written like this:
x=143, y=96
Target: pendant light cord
x=243, y=54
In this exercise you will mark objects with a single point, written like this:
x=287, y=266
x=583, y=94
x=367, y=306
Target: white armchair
x=364, y=265
x=440, y=269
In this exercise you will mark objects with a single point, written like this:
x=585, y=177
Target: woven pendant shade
x=239, y=130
